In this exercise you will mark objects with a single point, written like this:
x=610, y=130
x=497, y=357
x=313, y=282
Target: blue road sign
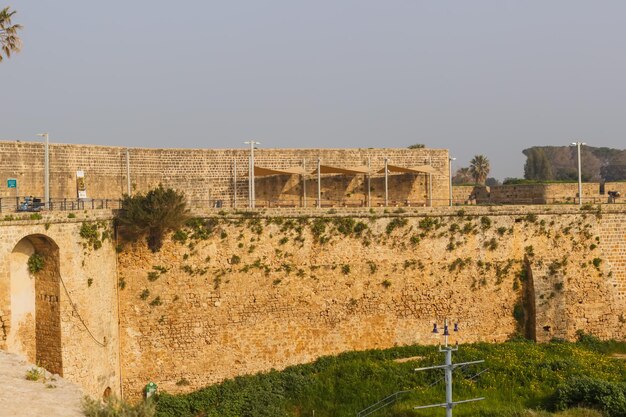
x=11, y=183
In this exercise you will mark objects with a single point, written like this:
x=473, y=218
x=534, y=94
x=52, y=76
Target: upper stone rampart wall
x=209, y=174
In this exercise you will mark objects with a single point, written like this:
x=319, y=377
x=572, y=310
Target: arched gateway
x=30, y=303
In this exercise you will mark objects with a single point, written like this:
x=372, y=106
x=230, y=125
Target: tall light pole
x=46, y=169
x=580, y=181
x=450, y=159
x=251, y=176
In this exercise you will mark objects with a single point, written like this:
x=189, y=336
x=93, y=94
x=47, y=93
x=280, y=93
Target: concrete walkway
x=51, y=396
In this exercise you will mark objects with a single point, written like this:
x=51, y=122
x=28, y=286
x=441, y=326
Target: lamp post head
x=452, y=159
x=43, y=135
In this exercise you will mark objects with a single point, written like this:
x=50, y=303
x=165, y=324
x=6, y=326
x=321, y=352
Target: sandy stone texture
x=49, y=397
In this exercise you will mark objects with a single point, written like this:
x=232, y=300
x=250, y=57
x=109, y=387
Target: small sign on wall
x=80, y=184
x=11, y=183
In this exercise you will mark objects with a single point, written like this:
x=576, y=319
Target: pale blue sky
x=489, y=77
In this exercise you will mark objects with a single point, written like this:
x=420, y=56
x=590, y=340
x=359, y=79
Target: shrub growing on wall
x=35, y=263
x=152, y=215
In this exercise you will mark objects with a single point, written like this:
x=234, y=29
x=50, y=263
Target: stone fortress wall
x=246, y=292
x=280, y=289
x=209, y=174
x=64, y=317
x=546, y=193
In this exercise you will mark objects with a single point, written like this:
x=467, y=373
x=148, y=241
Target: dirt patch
x=50, y=396
x=411, y=359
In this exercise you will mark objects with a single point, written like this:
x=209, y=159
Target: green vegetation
x=596, y=262
x=90, y=232
x=550, y=163
x=34, y=374
x=10, y=42
x=35, y=263
x=151, y=215
x=522, y=378
x=395, y=223
x=479, y=168
x=114, y=407
x=491, y=244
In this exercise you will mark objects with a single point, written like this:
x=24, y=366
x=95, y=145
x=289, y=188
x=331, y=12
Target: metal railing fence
x=33, y=204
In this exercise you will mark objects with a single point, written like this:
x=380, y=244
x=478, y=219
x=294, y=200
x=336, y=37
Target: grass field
x=521, y=379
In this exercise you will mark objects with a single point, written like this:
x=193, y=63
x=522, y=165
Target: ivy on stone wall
x=35, y=263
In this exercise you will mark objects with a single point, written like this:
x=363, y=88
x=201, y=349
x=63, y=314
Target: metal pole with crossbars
x=448, y=368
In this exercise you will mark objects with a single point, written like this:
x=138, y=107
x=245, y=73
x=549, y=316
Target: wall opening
x=33, y=309
x=528, y=300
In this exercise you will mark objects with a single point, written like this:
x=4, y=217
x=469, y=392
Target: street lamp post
x=251, y=176
x=450, y=159
x=46, y=168
x=580, y=182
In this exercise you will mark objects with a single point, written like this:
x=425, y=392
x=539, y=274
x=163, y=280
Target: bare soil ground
x=50, y=396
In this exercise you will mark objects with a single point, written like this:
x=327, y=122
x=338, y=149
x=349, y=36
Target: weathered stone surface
x=209, y=174
x=246, y=300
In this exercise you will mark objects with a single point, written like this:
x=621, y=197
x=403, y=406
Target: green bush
x=396, y=223
x=521, y=380
x=151, y=215
x=90, y=231
x=35, y=263
x=114, y=407
x=610, y=397
x=596, y=262
x=180, y=236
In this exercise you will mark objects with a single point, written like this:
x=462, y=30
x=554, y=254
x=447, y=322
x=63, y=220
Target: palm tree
x=479, y=168
x=9, y=41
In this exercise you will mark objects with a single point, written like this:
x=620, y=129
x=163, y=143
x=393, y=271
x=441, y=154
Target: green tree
x=417, y=146
x=9, y=41
x=537, y=166
x=462, y=176
x=152, y=215
x=479, y=168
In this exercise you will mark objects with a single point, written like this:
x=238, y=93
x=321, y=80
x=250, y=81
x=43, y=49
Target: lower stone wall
x=470, y=194
x=70, y=311
x=247, y=293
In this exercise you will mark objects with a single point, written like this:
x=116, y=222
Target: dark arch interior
x=47, y=305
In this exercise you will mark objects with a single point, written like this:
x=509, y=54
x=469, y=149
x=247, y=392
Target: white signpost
x=80, y=185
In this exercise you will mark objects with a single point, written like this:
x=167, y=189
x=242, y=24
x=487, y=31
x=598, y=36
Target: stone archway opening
x=31, y=305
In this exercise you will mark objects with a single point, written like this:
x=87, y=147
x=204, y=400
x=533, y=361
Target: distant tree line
x=560, y=163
